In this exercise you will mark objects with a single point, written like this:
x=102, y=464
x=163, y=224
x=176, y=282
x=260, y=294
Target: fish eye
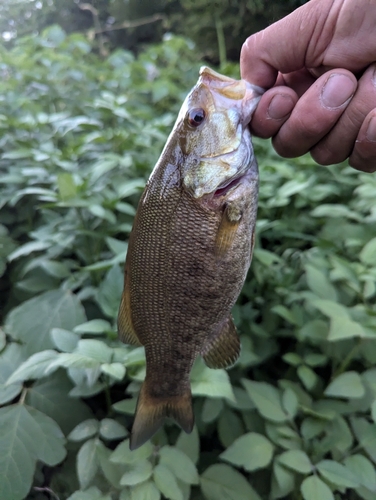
x=196, y=116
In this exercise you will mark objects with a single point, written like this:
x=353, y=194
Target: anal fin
x=126, y=331
x=224, y=349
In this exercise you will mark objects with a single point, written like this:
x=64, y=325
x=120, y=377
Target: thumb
x=288, y=44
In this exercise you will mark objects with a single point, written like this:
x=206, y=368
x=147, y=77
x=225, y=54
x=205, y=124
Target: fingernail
x=337, y=90
x=280, y=106
x=371, y=130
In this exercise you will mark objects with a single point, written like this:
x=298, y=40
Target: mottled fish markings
x=190, y=249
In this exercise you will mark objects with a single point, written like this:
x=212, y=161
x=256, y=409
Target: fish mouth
x=228, y=185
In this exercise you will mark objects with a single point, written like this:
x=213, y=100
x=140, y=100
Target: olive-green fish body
x=190, y=249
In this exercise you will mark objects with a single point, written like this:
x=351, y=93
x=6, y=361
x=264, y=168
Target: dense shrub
x=295, y=418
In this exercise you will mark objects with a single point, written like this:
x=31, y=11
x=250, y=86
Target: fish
x=190, y=249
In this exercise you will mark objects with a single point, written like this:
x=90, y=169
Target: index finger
x=284, y=46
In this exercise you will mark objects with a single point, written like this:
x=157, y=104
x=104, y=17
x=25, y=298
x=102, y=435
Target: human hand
x=309, y=61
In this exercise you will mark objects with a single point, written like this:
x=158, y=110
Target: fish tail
x=151, y=413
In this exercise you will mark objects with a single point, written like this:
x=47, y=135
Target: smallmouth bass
x=190, y=249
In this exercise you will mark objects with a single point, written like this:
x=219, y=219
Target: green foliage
x=295, y=417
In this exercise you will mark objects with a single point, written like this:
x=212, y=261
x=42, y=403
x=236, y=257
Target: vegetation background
x=83, y=118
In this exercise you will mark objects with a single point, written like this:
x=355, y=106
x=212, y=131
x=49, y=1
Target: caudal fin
x=151, y=413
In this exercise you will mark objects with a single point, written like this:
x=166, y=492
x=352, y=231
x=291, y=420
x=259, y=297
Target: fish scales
x=189, y=252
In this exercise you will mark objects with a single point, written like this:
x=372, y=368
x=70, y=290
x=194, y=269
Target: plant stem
x=345, y=363
x=221, y=41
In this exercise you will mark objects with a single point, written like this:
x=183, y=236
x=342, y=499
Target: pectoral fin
x=227, y=229
x=126, y=331
x=224, y=349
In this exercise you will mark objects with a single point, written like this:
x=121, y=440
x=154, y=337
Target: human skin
x=319, y=64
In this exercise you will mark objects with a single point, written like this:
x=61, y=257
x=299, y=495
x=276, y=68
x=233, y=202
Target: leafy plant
x=295, y=418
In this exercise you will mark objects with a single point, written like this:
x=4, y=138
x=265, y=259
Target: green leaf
x=251, y=451
x=307, y=376
x=64, y=340
x=319, y=283
x=112, y=472
x=53, y=309
x=93, y=326
x=26, y=435
x=92, y=493
x=211, y=409
x=111, y=429
x=267, y=400
x=330, y=308
x=84, y=430
x=66, y=186
x=337, y=474
x=34, y=367
x=362, y=469
x=179, y=463
x=296, y=460
x=313, y=488
x=110, y=291
x=166, y=483
x=213, y=383
x=222, y=482
x=87, y=463
x=344, y=328
x=94, y=349
x=115, y=370
x=123, y=455
x=50, y=396
x=189, y=444
x=368, y=253
x=230, y=427
x=138, y=473
x=144, y=491
x=347, y=385
x=290, y=402
x=283, y=481
x=11, y=357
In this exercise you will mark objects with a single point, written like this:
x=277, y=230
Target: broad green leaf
x=366, y=435
x=230, y=427
x=112, y=472
x=213, y=383
x=319, y=283
x=92, y=493
x=330, y=308
x=283, y=481
x=251, y=451
x=368, y=253
x=26, y=435
x=138, y=473
x=347, y=385
x=66, y=185
x=115, y=370
x=2, y=339
x=94, y=349
x=54, y=309
x=111, y=429
x=34, y=367
x=50, y=396
x=290, y=402
x=362, y=469
x=267, y=400
x=179, y=463
x=84, y=430
x=110, y=290
x=189, y=444
x=166, y=483
x=11, y=357
x=313, y=488
x=87, y=463
x=337, y=474
x=344, y=328
x=307, y=376
x=296, y=460
x=127, y=406
x=222, y=482
x=123, y=455
x=211, y=409
x=144, y=491
x=64, y=340
x=93, y=326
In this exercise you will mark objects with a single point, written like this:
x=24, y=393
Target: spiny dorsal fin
x=224, y=349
